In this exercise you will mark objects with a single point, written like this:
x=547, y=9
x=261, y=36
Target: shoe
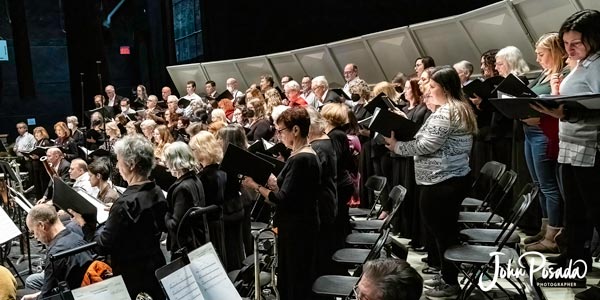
x=443, y=291
x=431, y=270
x=425, y=259
x=547, y=244
x=540, y=235
x=434, y=282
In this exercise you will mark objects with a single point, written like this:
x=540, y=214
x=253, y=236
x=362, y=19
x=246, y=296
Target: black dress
x=233, y=218
x=68, y=148
x=214, y=182
x=260, y=129
x=185, y=193
x=328, y=241
x=131, y=236
x=297, y=220
x=345, y=185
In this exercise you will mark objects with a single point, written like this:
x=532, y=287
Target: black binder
x=513, y=86
x=239, y=161
x=342, y=94
x=380, y=101
x=481, y=88
x=276, y=162
x=65, y=197
x=183, y=103
x=519, y=108
x=224, y=95
x=385, y=121
x=39, y=151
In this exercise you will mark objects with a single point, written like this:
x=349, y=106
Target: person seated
x=60, y=166
x=78, y=171
x=389, y=279
x=99, y=172
x=43, y=222
x=8, y=285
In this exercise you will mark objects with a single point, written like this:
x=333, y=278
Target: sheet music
x=210, y=274
x=9, y=230
x=23, y=203
x=182, y=285
x=113, y=288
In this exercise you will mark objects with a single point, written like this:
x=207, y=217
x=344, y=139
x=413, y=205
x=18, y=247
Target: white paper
x=8, y=229
x=210, y=274
x=181, y=285
x=113, y=288
x=20, y=200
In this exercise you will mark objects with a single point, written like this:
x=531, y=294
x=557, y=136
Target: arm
x=432, y=136
x=181, y=203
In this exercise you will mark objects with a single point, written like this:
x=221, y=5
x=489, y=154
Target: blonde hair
x=551, y=42
x=259, y=108
x=336, y=114
x=113, y=126
x=41, y=130
x=218, y=114
x=273, y=99
x=206, y=148
x=387, y=88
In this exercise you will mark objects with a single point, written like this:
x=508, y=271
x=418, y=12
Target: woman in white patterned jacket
x=441, y=151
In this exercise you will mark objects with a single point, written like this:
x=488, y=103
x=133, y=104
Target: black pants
x=440, y=204
x=582, y=206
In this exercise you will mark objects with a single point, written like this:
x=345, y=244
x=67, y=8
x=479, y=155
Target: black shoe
x=425, y=259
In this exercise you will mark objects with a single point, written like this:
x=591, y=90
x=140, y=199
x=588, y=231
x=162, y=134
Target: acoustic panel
x=219, y=72
x=445, y=41
x=545, y=16
x=395, y=51
x=591, y=4
x=181, y=74
x=253, y=68
x=286, y=64
x=317, y=61
x=355, y=51
x=506, y=31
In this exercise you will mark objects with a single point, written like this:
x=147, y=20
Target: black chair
x=375, y=184
x=493, y=200
x=474, y=260
x=396, y=195
x=492, y=235
x=357, y=255
x=488, y=176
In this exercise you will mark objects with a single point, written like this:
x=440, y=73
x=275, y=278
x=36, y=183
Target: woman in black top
x=131, y=234
x=40, y=176
x=236, y=216
x=328, y=241
x=295, y=194
x=64, y=141
x=185, y=193
x=260, y=124
x=336, y=115
x=208, y=153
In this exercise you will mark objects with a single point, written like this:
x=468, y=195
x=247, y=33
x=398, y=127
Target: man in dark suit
x=61, y=167
x=114, y=100
x=323, y=94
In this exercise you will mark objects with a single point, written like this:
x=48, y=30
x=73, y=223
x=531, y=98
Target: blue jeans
x=543, y=173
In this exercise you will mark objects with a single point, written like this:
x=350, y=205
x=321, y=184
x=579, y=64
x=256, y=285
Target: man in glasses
x=389, y=279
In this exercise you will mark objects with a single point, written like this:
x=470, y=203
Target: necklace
x=300, y=148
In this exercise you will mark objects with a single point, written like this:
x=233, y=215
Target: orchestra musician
x=55, y=164
x=40, y=176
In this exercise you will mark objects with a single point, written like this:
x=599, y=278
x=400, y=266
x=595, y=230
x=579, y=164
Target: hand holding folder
x=385, y=122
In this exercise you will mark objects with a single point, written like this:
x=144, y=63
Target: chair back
x=529, y=188
x=523, y=204
x=376, y=184
x=499, y=191
x=397, y=195
x=487, y=177
x=375, y=252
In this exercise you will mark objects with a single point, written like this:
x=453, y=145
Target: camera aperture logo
x=551, y=277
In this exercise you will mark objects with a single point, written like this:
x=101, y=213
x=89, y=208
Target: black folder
x=482, y=88
x=102, y=110
x=183, y=103
x=513, y=86
x=39, y=151
x=239, y=161
x=276, y=162
x=380, y=101
x=342, y=94
x=274, y=149
x=257, y=146
x=519, y=108
x=225, y=95
x=162, y=177
x=99, y=153
x=65, y=197
x=385, y=121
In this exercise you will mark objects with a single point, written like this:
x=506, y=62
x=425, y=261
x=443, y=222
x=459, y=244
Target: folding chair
x=375, y=184
x=492, y=235
x=488, y=177
x=356, y=256
x=493, y=201
x=397, y=195
x=474, y=260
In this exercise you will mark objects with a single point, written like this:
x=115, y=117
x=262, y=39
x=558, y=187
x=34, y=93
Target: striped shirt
x=579, y=137
x=441, y=148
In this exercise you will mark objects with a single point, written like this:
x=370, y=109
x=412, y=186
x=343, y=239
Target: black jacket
x=131, y=236
x=185, y=193
x=63, y=173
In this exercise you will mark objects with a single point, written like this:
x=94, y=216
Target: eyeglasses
x=358, y=295
x=281, y=130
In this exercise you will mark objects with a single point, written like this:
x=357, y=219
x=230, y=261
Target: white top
x=83, y=183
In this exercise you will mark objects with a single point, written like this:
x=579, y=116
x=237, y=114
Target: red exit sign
x=124, y=50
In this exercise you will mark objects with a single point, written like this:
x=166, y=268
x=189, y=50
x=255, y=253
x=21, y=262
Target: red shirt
x=298, y=102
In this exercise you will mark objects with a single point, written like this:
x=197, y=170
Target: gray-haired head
x=179, y=157
x=136, y=152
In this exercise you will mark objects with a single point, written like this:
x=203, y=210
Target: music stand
x=9, y=232
x=2, y=147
